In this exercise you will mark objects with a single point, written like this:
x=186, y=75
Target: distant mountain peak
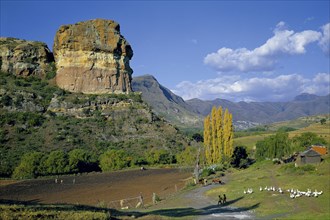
x=305, y=97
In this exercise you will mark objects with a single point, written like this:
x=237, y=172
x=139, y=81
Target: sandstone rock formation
x=24, y=58
x=92, y=57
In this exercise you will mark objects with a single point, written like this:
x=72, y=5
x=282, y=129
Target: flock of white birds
x=294, y=193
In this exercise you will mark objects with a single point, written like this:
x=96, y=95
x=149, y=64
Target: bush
x=207, y=172
x=51, y=71
x=114, y=160
x=187, y=157
x=160, y=156
x=56, y=163
x=82, y=161
x=29, y=166
x=291, y=168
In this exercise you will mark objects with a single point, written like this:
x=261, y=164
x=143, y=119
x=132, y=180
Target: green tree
x=274, y=146
x=57, y=163
x=159, y=156
x=82, y=161
x=198, y=137
x=323, y=121
x=187, y=157
x=29, y=166
x=239, y=157
x=305, y=140
x=114, y=160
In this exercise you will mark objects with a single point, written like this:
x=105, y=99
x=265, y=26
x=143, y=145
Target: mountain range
x=190, y=113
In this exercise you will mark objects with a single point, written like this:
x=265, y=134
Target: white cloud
x=325, y=39
x=236, y=88
x=264, y=58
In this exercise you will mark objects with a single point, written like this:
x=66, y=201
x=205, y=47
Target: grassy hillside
x=273, y=205
x=165, y=103
x=294, y=127
x=36, y=116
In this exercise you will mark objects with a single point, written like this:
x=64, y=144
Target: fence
x=140, y=201
x=128, y=203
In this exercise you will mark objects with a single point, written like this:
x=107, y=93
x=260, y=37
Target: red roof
x=319, y=149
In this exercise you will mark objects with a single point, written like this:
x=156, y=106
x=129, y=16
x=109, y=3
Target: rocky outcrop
x=24, y=58
x=92, y=57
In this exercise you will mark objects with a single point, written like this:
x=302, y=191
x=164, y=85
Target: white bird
x=244, y=192
x=292, y=196
x=260, y=188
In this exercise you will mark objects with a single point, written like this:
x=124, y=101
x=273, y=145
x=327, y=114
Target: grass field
x=273, y=205
x=304, y=124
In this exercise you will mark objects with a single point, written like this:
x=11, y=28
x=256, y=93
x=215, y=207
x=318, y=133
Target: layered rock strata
x=92, y=57
x=24, y=58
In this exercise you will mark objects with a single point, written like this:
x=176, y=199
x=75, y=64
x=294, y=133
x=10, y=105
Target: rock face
x=24, y=58
x=92, y=57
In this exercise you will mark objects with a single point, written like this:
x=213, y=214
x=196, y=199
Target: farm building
x=322, y=150
x=309, y=156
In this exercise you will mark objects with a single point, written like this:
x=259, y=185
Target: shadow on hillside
x=173, y=212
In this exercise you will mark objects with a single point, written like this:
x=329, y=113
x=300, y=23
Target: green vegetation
x=114, y=160
x=240, y=158
x=274, y=146
x=52, y=212
x=38, y=119
x=272, y=205
x=279, y=145
x=310, y=124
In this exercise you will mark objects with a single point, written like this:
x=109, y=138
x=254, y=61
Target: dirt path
x=195, y=204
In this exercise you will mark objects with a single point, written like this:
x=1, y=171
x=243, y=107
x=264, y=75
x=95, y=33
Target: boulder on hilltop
x=24, y=58
x=92, y=57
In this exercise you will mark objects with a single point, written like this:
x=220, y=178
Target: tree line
x=35, y=164
x=280, y=145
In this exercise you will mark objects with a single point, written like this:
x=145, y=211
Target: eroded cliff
x=24, y=58
x=92, y=57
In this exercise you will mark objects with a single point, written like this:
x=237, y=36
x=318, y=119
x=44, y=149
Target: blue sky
x=235, y=50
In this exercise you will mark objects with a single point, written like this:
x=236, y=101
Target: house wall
x=315, y=159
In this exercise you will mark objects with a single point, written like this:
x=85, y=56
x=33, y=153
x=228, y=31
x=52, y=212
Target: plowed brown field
x=93, y=189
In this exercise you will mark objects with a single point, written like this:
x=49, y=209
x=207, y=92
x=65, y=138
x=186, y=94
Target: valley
x=81, y=138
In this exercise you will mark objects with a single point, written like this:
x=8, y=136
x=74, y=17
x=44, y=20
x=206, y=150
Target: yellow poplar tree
x=219, y=127
x=218, y=136
x=207, y=140
x=214, y=134
x=228, y=134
